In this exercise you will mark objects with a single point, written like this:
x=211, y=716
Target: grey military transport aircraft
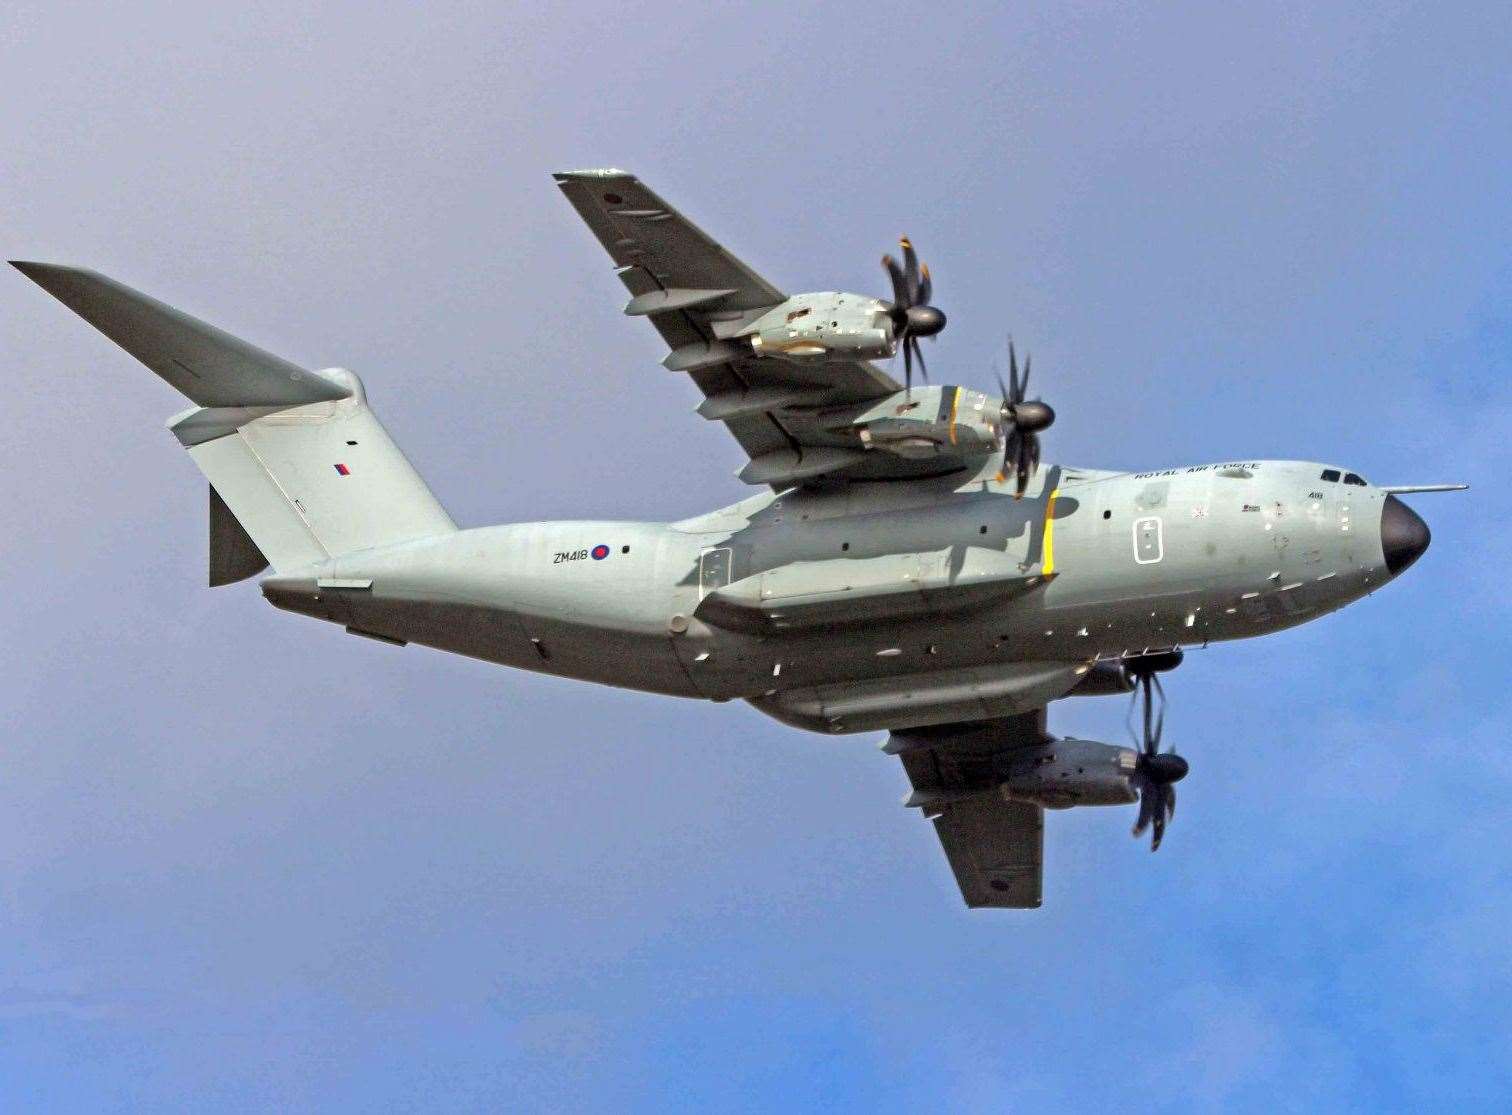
x=907, y=565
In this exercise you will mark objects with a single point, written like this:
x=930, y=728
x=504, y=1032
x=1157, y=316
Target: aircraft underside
x=909, y=565
x=849, y=623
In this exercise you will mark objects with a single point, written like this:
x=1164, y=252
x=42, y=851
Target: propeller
x=912, y=316
x=1023, y=419
x=1156, y=772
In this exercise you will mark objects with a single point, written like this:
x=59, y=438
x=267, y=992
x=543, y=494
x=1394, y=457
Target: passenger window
x=1331, y=475
x=1354, y=478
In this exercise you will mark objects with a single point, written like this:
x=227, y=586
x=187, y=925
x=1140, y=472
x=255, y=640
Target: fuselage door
x=713, y=570
x=1149, y=545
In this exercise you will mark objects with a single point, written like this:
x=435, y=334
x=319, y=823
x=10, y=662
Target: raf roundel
x=600, y=552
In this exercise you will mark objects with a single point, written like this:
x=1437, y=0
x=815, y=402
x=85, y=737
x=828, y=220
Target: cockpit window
x=1355, y=479
x=1331, y=475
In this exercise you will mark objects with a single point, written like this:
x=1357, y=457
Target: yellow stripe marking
x=1047, y=567
x=955, y=405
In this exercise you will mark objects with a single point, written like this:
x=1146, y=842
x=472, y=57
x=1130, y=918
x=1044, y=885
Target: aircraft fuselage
x=884, y=603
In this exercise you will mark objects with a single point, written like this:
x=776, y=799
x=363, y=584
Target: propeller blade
x=911, y=316
x=1006, y=426
x=1155, y=772
x=1159, y=717
x=910, y=271
x=895, y=273
x=1010, y=452
x=1026, y=449
x=1016, y=393
x=1144, y=683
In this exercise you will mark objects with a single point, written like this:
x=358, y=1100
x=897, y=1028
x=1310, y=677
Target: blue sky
x=247, y=862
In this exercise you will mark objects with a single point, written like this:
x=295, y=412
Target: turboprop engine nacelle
x=1071, y=772
x=927, y=422
x=824, y=324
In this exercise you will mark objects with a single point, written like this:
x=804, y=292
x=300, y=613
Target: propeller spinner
x=1023, y=420
x=912, y=316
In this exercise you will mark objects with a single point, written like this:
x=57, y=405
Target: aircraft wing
x=995, y=846
x=697, y=294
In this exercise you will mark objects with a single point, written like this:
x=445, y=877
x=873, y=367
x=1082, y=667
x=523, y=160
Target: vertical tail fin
x=312, y=482
x=233, y=555
x=297, y=458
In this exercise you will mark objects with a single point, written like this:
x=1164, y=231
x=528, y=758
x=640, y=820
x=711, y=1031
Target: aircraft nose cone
x=1404, y=536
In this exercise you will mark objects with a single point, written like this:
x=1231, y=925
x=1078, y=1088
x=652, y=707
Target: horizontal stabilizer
x=211, y=367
